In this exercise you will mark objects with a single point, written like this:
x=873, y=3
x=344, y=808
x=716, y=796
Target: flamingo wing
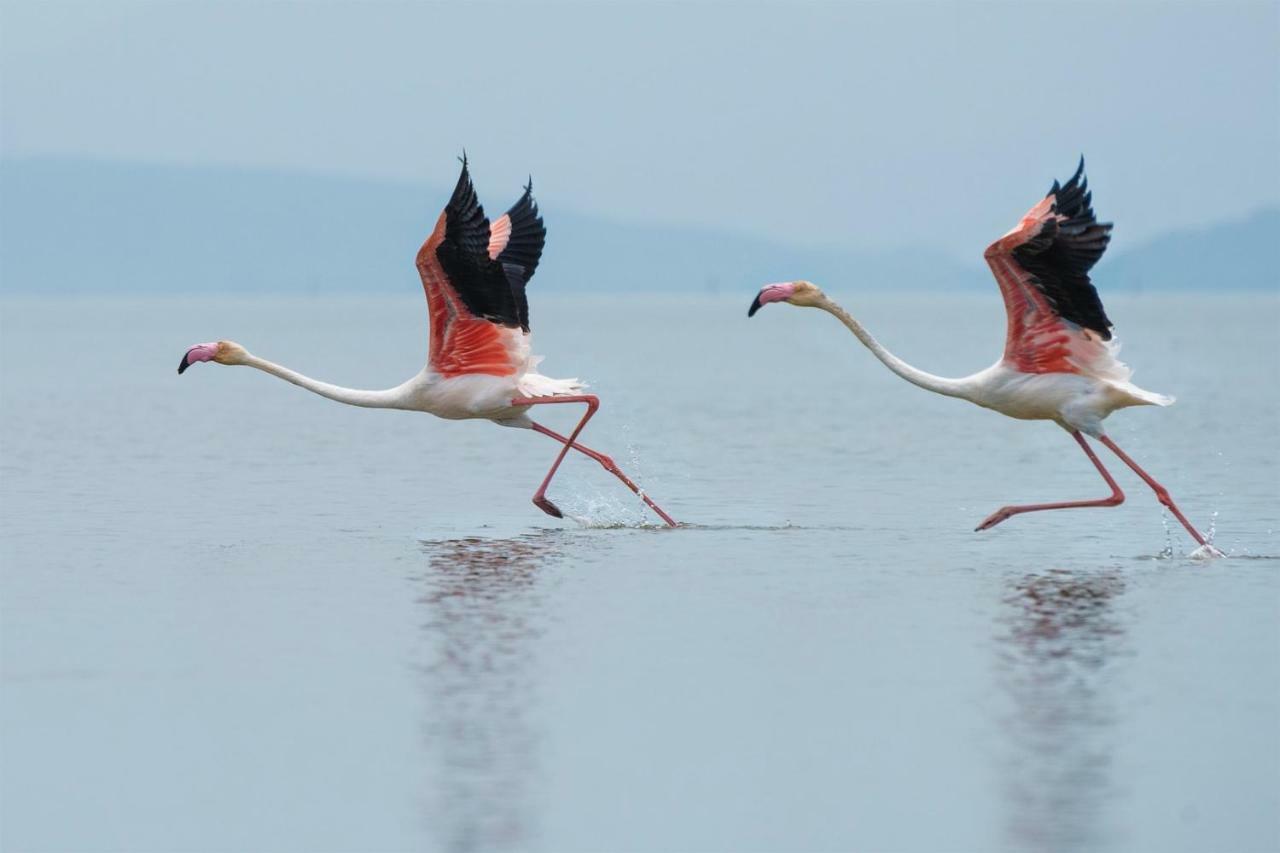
x=1056, y=320
x=479, y=315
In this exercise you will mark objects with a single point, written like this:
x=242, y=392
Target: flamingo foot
x=543, y=503
x=995, y=518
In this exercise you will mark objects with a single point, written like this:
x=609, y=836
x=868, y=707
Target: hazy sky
x=871, y=125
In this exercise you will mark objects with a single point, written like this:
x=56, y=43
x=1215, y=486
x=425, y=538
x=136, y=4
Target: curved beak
x=779, y=292
x=197, y=354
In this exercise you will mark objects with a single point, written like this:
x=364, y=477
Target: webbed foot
x=544, y=504
x=994, y=519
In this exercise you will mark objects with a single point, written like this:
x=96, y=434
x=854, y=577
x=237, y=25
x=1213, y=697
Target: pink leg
x=610, y=466
x=540, y=499
x=1162, y=494
x=1117, y=496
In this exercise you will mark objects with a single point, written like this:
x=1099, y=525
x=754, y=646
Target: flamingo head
x=804, y=293
x=223, y=352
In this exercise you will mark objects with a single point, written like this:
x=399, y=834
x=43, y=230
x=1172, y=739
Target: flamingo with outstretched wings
x=478, y=365
x=1059, y=361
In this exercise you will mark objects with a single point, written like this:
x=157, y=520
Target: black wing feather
x=484, y=285
x=528, y=234
x=520, y=257
x=1060, y=256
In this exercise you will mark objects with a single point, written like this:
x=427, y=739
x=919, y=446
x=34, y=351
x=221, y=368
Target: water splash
x=1167, y=552
x=596, y=509
x=1170, y=552
x=636, y=469
x=1207, y=551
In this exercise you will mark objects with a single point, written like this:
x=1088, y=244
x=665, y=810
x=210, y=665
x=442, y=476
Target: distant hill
x=1236, y=255
x=70, y=226
x=83, y=226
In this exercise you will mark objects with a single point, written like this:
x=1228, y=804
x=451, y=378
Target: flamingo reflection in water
x=1060, y=641
x=484, y=600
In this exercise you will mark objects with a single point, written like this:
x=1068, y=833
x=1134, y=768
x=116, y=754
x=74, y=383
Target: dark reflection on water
x=1060, y=640
x=484, y=600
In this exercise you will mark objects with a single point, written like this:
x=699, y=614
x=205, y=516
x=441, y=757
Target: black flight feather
x=528, y=234
x=520, y=257
x=1060, y=256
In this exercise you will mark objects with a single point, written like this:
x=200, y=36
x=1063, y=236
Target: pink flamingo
x=1059, y=361
x=479, y=364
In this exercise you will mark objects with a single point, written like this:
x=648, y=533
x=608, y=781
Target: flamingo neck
x=389, y=399
x=927, y=381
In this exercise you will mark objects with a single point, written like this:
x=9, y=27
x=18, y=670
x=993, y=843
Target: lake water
x=240, y=617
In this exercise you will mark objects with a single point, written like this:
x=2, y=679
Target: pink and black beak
x=771, y=293
x=197, y=353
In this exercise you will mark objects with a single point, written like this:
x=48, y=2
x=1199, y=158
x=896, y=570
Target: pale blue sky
x=863, y=125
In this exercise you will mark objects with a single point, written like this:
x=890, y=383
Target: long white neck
x=927, y=381
x=389, y=399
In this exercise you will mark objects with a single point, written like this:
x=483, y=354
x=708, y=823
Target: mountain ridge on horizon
x=148, y=229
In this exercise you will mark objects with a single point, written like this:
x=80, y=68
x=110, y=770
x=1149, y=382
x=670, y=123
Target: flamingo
x=479, y=364
x=1059, y=362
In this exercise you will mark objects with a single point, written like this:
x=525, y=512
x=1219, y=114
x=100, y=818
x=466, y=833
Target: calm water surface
x=239, y=617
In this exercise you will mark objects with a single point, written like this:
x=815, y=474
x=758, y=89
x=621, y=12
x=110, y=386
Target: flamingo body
x=481, y=396
x=1075, y=401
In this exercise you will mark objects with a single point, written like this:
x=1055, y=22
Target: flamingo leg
x=609, y=465
x=1116, y=498
x=1162, y=494
x=540, y=499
